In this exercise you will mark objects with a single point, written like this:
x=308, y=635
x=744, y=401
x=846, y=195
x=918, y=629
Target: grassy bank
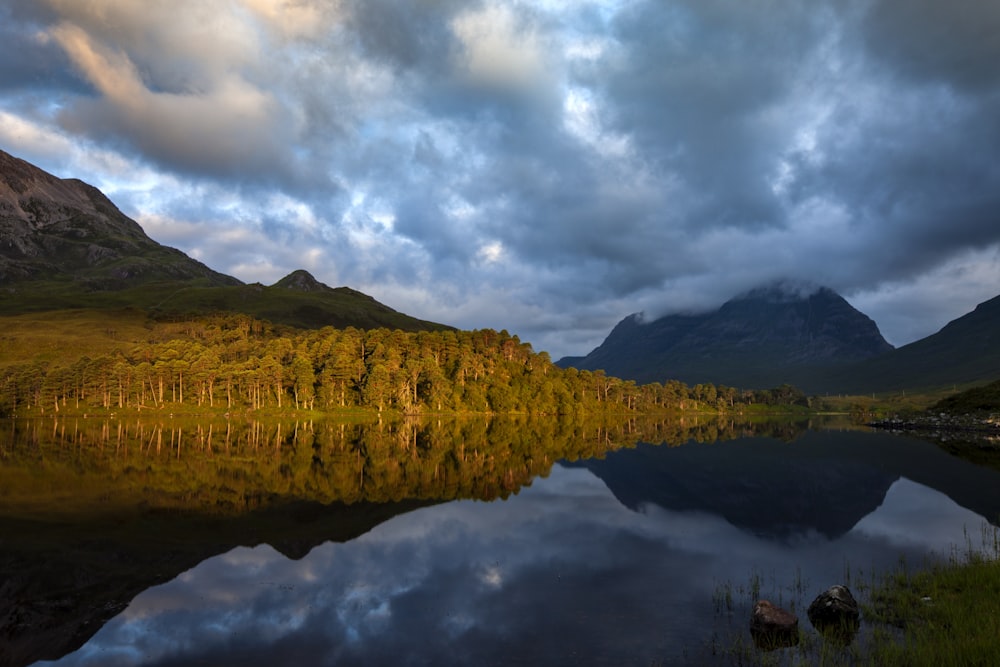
x=942, y=613
x=946, y=615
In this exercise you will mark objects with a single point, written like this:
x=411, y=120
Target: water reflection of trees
x=232, y=466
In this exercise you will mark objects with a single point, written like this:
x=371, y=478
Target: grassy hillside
x=966, y=351
x=166, y=300
x=977, y=399
x=67, y=246
x=63, y=336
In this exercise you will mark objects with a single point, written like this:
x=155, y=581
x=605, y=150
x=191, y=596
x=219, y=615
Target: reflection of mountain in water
x=95, y=511
x=60, y=583
x=824, y=481
x=128, y=514
x=769, y=488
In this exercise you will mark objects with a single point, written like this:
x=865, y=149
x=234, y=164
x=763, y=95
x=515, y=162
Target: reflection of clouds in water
x=913, y=515
x=560, y=573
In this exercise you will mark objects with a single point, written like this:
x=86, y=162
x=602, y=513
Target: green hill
x=965, y=351
x=985, y=398
x=64, y=245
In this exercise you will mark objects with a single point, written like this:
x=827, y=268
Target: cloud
x=182, y=46
x=921, y=306
x=930, y=42
x=231, y=128
x=497, y=48
x=573, y=161
x=295, y=19
x=28, y=64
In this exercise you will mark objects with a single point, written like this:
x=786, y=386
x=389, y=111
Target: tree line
x=240, y=363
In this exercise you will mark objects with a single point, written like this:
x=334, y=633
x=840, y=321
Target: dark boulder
x=773, y=627
x=834, y=613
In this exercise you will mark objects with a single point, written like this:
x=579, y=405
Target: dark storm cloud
x=696, y=88
x=407, y=34
x=29, y=62
x=949, y=42
x=914, y=165
x=542, y=167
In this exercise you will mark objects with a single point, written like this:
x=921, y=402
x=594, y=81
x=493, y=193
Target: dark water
x=623, y=560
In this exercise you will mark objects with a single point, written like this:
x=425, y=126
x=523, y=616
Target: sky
x=545, y=167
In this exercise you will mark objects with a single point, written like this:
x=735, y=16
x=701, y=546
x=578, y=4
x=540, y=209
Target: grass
x=62, y=336
x=339, y=307
x=946, y=613
x=985, y=398
x=897, y=402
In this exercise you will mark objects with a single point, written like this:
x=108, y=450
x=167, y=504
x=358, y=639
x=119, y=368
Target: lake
x=469, y=542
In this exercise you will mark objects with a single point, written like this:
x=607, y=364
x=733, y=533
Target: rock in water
x=773, y=627
x=834, y=613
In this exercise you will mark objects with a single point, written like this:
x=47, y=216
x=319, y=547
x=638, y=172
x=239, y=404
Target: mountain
x=63, y=230
x=64, y=245
x=823, y=482
x=964, y=351
x=297, y=300
x=766, y=337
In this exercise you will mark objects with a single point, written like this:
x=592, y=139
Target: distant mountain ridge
x=768, y=336
x=964, y=351
x=64, y=244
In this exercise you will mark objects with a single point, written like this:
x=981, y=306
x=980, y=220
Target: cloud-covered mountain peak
x=784, y=291
x=781, y=332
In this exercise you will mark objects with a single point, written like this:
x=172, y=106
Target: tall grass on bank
x=732, y=644
x=943, y=613
x=948, y=614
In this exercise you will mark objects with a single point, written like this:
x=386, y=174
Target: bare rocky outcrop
x=64, y=229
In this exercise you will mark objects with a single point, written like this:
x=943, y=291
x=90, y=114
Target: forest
x=234, y=362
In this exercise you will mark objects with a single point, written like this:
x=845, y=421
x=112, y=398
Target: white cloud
x=918, y=307
x=547, y=167
x=297, y=18
x=582, y=119
x=33, y=139
x=490, y=253
x=182, y=46
x=232, y=124
x=498, y=47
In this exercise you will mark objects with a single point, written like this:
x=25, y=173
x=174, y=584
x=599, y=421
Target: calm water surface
x=623, y=560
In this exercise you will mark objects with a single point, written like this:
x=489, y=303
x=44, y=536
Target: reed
x=942, y=613
x=947, y=614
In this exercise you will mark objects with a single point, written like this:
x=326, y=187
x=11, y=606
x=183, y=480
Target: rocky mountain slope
x=63, y=229
x=64, y=245
x=763, y=338
x=964, y=351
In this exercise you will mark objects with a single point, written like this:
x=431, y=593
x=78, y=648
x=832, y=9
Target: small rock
x=773, y=627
